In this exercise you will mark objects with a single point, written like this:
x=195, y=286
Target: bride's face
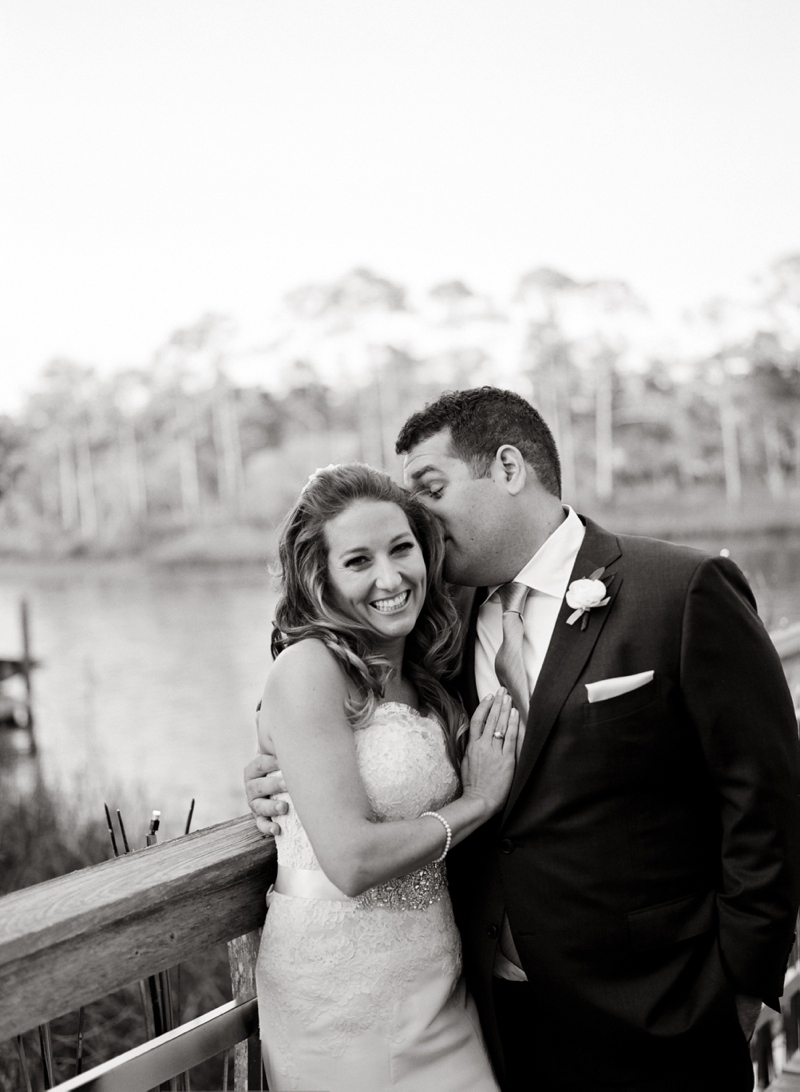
x=376, y=568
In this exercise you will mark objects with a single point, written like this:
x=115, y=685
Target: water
x=150, y=677
x=149, y=681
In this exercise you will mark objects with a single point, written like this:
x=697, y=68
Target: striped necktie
x=509, y=664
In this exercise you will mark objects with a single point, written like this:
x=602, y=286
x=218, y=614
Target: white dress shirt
x=547, y=575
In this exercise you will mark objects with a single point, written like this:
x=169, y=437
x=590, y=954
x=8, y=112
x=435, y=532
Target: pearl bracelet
x=447, y=828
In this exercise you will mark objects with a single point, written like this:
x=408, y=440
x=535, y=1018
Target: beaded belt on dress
x=417, y=891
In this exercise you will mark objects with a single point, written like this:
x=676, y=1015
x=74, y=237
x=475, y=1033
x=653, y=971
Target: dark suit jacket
x=648, y=854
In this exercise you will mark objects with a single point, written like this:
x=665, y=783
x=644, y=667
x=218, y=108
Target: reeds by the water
x=47, y=835
x=159, y=1016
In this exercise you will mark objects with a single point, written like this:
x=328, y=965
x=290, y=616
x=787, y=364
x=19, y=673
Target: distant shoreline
x=698, y=517
x=212, y=555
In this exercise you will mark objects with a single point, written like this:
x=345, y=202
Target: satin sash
x=307, y=883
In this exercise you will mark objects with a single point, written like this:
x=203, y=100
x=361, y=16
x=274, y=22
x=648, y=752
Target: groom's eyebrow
x=415, y=477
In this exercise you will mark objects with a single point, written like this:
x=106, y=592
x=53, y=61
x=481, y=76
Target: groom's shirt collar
x=550, y=568
x=547, y=575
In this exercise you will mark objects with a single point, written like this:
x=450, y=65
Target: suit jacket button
x=506, y=846
x=493, y=932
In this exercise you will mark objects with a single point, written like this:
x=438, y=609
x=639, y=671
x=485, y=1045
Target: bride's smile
x=390, y=606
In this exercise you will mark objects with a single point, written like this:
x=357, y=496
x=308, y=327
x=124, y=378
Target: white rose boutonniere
x=586, y=594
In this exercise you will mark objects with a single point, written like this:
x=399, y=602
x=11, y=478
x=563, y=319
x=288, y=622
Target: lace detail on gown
x=352, y=972
x=400, y=759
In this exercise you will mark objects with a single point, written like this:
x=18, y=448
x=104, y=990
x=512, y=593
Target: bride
x=359, y=973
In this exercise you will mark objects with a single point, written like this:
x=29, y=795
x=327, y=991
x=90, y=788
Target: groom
x=627, y=914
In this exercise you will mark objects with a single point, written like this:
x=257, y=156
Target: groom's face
x=474, y=511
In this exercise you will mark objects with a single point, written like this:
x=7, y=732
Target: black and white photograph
x=399, y=545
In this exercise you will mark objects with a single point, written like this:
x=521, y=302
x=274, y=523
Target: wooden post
x=242, y=955
x=789, y=1079
x=26, y=669
x=761, y=1051
x=790, y=1025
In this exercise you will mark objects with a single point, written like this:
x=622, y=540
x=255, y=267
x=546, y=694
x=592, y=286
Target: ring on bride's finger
x=498, y=735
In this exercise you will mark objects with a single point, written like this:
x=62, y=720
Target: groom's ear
x=512, y=468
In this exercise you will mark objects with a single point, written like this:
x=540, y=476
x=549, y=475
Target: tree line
x=179, y=441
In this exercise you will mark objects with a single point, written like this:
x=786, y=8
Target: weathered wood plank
x=789, y=1078
x=74, y=939
x=242, y=956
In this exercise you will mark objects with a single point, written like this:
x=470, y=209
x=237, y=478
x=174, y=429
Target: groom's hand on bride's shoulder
x=262, y=781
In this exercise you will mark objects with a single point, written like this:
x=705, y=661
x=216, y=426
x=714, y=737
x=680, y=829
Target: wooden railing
x=73, y=940
x=777, y=1037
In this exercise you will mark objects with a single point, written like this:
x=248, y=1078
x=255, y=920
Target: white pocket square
x=622, y=684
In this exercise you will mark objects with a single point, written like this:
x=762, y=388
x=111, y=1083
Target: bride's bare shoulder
x=311, y=650
x=304, y=668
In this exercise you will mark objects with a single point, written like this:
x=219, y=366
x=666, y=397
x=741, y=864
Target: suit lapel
x=569, y=649
x=466, y=682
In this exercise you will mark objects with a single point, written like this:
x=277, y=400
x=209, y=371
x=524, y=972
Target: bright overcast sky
x=162, y=158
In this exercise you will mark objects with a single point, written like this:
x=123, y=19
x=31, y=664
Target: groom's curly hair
x=306, y=607
x=480, y=421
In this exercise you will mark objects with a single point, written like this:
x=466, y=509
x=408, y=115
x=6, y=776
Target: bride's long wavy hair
x=306, y=607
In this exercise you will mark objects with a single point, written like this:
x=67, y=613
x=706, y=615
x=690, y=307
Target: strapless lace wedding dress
x=365, y=994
